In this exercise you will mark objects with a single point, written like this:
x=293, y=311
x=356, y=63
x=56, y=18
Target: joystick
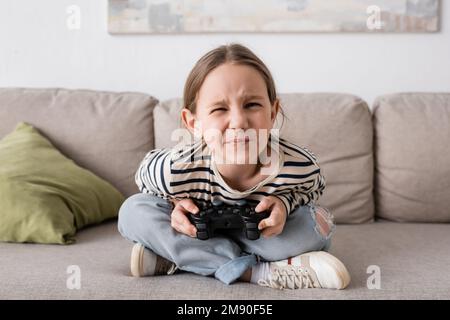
x=220, y=216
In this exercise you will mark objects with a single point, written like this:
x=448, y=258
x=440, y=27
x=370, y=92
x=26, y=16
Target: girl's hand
x=274, y=224
x=178, y=219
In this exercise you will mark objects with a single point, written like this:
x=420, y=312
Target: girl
x=230, y=106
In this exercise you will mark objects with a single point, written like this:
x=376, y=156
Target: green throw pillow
x=44, y=196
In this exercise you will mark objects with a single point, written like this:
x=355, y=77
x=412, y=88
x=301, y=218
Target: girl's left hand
x=274, y=224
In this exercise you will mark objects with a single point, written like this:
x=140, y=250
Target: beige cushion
x=412, y=134
x=412, y=260
x=337, y=128
x=167, y=120
x=106, y=133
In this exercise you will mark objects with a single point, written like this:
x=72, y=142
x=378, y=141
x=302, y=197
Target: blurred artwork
x=209, y=16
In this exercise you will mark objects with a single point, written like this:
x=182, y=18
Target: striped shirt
x=189, y=171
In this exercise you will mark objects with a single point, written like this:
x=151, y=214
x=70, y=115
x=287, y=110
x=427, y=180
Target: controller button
x=252, y=235
x=252, y=225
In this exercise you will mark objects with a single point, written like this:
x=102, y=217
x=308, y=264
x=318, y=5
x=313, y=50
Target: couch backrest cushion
x=412, y=157
x=337, y=128
x=166, y=120
x=107, y=133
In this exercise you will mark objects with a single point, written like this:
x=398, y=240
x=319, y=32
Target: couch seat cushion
x=413, y=260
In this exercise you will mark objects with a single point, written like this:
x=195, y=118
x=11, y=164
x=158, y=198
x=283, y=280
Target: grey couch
x=387, y=169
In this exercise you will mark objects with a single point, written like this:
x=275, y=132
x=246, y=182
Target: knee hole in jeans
x=324, y=221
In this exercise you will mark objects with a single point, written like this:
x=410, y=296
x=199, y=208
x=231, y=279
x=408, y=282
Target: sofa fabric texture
x=412, y=147
x=405, y=255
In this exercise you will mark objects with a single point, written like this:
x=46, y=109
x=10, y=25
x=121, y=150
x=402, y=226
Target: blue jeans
x=145, y=219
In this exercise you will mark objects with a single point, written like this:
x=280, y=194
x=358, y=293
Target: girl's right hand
x=179, y=220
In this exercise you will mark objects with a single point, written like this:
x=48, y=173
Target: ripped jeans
x=145, y=219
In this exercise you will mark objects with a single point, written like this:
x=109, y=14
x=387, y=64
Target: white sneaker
x=317, y=269
x=145, y=262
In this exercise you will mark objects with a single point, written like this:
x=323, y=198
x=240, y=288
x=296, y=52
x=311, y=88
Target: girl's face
x=233, y=107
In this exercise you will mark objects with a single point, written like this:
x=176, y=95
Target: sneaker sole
x=340, y=268
x=137, y=258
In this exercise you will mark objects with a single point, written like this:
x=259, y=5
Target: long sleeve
x=153, y=174
x=303, y=181
x=300, y=196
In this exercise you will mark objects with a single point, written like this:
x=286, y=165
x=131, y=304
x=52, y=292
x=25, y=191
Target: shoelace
x=290, y=277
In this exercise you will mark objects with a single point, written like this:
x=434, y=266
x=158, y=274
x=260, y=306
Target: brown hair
x=232, y=53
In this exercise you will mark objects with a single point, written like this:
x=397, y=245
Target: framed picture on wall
x=214, y=16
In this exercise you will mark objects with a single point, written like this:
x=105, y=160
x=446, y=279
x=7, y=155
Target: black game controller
x=220, y=216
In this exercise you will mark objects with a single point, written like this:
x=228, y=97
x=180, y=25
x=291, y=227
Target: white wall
x=38, y=50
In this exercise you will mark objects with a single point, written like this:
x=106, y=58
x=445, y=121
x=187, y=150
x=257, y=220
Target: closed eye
x=218, y=109
x=248, y=105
